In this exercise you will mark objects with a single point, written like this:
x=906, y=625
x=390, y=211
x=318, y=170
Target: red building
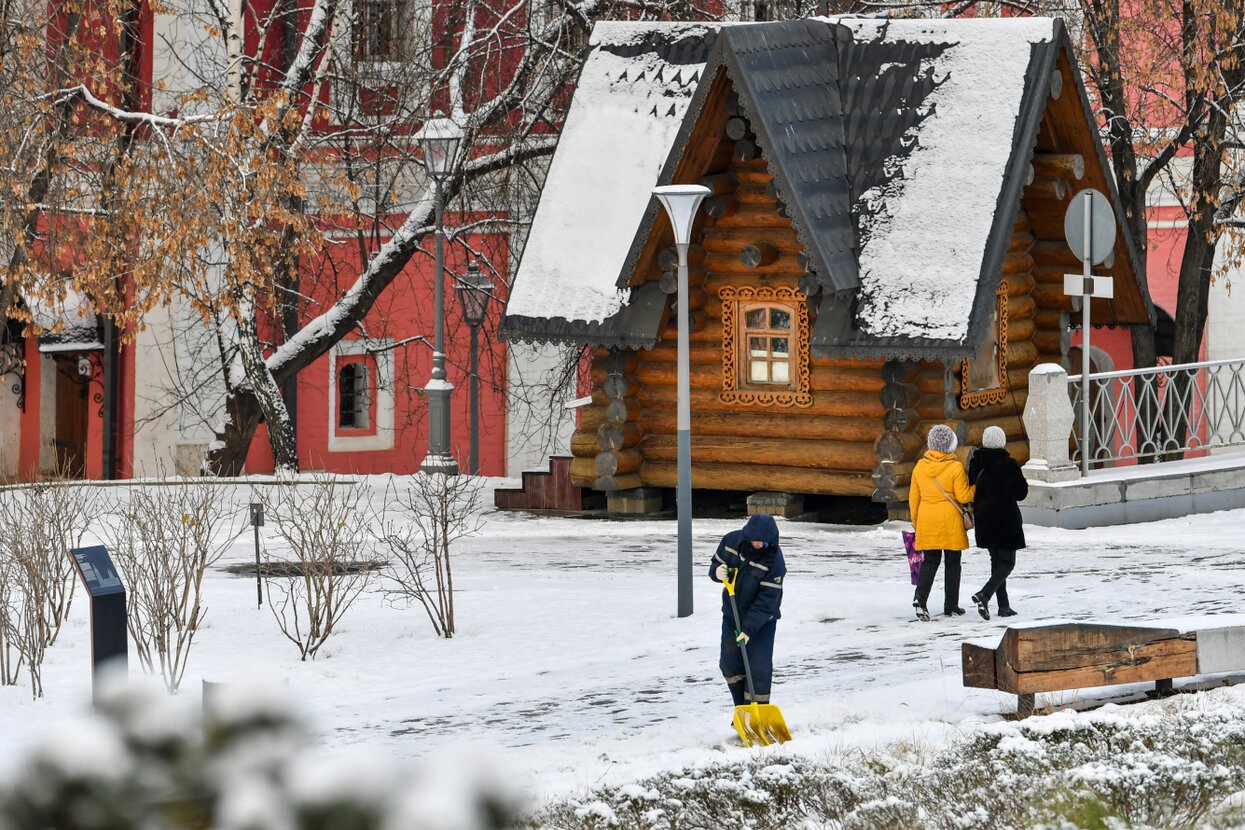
x=82, y=403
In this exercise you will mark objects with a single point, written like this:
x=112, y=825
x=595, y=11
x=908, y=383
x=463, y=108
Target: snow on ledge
x=1231, y=459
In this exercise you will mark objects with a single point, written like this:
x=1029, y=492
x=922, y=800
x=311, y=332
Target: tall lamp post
x=439, y=140
x=474, y=291
x=681, y=202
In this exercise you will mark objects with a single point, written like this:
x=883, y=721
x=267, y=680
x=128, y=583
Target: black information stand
x=109, y=636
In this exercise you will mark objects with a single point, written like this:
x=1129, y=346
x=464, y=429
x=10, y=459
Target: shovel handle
x=743, y=651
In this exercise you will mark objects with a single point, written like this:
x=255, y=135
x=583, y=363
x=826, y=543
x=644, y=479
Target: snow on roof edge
x=626, y=109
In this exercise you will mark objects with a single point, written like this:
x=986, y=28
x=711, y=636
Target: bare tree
x=59, y=514
x=418, y=527
x=324, y=526
x=164, y=539
x=43, y=522
x=11, y=656
x=24, y=630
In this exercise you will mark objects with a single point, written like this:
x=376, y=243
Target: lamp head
x=439, y=138
x=681, y=202
x=474, y=292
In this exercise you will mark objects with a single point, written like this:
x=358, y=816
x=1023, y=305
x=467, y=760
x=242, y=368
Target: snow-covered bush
x=145, y=761
x=1182, y=766
x=324, y=524
x=417, y=529
x=163, y=539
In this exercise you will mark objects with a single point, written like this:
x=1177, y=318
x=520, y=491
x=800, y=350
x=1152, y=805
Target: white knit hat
x=942, y=439
x=994, y=438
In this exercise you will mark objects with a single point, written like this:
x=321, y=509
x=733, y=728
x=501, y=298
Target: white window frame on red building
x=379, y=432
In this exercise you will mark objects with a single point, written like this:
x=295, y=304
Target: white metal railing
x=1161, y=412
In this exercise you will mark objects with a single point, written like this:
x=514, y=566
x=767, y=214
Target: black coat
x=1000, y=485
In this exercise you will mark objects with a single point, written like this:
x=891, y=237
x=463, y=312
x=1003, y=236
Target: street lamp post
x=439, y=140
x=681, y=202
x=474, y=291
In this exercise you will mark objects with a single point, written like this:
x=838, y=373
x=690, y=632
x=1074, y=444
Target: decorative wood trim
x=733, y=391
x=985, y=397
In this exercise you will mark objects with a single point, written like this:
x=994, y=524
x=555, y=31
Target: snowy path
x=571, y=667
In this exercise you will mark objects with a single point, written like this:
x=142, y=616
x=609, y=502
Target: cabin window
x=354, y=396
x=764, y=346
x=766, y=341
x=983, y=380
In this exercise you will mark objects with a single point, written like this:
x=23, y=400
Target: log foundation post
x=787, y=505
x=638, y=501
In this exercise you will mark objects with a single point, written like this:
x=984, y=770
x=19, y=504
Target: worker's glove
x=722, y=574
x=741, y=639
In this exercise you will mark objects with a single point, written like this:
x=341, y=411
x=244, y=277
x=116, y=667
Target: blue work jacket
x=758, y=588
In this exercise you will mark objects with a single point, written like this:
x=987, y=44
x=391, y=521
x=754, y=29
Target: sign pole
x=1085, y=304
x=257, y=521
x=1091, y=236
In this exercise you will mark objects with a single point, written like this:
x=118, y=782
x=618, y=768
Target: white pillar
x=1048, y=422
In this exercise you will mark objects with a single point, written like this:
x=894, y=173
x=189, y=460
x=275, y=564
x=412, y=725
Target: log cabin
x=883, y=249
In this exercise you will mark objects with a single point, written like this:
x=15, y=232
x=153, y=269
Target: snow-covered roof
x=630, y=101
x=900, y=148
x=65, y=324
x=922, y=252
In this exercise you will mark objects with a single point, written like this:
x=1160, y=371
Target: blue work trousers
x=760, y=660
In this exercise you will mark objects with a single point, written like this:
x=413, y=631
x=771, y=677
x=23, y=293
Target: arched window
x=354, y=399
x=766, y=344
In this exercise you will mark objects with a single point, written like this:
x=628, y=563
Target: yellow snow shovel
x=756, y=723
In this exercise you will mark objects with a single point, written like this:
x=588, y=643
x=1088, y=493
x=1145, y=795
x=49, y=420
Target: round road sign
x=1101, y=229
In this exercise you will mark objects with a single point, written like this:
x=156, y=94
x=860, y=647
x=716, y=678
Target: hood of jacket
x=939, y=458
x=761, y=528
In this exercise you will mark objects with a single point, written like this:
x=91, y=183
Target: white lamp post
x=681, y=202
x=439, y=139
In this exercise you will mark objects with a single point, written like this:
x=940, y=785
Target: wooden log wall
x=868, y=420
x=824, y=448
x=605, y=445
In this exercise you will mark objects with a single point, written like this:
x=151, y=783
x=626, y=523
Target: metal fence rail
x=1161, y=412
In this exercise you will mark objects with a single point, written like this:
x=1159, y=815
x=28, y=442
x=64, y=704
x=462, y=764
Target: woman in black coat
x=1000, y=486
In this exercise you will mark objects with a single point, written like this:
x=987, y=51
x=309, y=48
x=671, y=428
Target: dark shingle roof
x=845, y=110
x=787, y=77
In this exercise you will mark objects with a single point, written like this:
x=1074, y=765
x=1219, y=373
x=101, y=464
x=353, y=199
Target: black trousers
x=929, y=569
x=1001, y=564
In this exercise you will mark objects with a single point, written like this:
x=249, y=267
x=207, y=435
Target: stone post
x=1048, y=422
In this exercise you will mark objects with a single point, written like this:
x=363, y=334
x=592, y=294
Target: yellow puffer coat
x=937, y=521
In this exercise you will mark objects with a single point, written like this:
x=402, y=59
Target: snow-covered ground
x=571, y=668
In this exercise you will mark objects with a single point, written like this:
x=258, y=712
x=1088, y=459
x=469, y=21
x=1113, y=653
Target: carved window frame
x=735, y=387
x=970, y=398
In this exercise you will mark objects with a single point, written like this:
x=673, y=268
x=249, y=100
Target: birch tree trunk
x=265, y=391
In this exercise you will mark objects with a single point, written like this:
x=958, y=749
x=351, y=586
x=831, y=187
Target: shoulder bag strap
x=958, y=506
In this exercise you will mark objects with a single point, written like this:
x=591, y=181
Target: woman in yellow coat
x=939, y=526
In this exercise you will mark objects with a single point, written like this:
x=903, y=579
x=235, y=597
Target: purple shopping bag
x=915, y=557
